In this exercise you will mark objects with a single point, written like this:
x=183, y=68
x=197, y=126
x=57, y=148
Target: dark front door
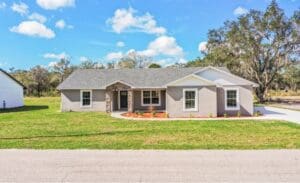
x=123, y=99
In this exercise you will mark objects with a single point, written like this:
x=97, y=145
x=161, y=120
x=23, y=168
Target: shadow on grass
x=25, y=109
x=72, y=135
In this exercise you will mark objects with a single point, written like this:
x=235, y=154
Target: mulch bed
x=146, y=115
x=165, y=115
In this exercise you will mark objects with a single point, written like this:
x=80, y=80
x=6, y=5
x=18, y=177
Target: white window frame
x=81, y=99
x=159, y=98
x=227, y=108
x=196, y=99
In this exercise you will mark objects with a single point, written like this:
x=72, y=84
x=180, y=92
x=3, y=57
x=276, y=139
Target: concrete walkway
x=280, y=114
x=269, y=113
x=149, y=166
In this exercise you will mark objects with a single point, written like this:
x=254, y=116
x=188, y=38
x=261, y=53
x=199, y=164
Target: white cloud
x=240, y=11
x=61, y=24
x=2, y=5
x=38, y=17
x=164, y=45
x=202, y=46
x=83, y=59
x=52, y=64
x=120, y=44
x=55, y=4
x=164, y=48
x=170, y=61
x=113, y=56
x=56, y=56
x=3, y=64
x=20, y=8
x=33, y=28
x=126, y=20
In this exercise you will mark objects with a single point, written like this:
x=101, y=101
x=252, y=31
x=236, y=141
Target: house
x=11, y=91
x=181, y=92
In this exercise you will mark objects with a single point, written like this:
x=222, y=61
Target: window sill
x=232, y=109
x=86, y=107
x=190, y=110
x=149, y=105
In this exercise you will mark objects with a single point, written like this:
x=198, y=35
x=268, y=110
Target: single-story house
x=181, y=92
x=11, y=91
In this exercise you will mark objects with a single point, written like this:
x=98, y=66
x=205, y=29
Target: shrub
x=239, y=114
x=153, y=113
x=167, y=115
x=225, y=115
x=258, y=113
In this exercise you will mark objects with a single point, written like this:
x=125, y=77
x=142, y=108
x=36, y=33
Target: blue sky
x=40, y=32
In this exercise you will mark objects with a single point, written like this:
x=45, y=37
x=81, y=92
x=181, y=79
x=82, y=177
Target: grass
x=40, y=125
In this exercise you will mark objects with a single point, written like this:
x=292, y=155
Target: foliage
x=42, y=81
x=154, y=65
x=258, y=46
x=89, y=64
x=40, y=125
x=291, y=76
x=134, y=60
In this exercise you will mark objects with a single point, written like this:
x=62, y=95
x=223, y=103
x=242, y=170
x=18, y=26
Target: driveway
x=149, y=166
x=280, y=114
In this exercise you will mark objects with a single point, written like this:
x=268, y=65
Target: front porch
x=122, y=97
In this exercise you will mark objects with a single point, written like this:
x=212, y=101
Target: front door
x=123, y=99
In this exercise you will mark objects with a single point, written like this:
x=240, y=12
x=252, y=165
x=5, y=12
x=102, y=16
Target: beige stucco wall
x=138, y=101
x=70, y=101
x=207, y=102
x=245, y=98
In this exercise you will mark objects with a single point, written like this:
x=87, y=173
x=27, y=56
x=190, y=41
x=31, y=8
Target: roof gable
x=191, y=80
x=12, y=78
x=222, y=78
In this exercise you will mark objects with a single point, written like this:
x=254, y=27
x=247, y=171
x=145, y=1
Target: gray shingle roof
x=138, y=78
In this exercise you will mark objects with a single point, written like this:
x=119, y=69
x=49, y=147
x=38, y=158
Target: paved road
x=149, y=166
x=278, y=113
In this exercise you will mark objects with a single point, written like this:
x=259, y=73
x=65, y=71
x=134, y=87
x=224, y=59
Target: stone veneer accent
x=109, y=95
x=108, y=100
x=130, y=100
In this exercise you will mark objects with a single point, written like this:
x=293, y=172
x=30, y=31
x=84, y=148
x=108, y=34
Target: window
x=232, y=99
x=190, y=100
x=151, y=98
x=86, y=98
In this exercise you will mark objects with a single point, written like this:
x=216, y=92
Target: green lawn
x=40, y=125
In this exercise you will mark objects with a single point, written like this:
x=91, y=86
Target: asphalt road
x=149, y=166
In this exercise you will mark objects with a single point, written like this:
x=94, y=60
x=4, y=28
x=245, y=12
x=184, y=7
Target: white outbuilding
x=11, y=91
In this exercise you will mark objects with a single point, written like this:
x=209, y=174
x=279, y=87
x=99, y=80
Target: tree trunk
x=261, y=92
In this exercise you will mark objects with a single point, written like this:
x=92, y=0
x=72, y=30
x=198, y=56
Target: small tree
x=154, y=65
x=63, y=68
x=134, y=60
x=40, y=78
x=89, y=64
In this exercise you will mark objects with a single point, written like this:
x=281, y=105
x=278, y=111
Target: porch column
x=130, y=100
x=108, y=100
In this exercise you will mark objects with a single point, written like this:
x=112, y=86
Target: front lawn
x=40, y=125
